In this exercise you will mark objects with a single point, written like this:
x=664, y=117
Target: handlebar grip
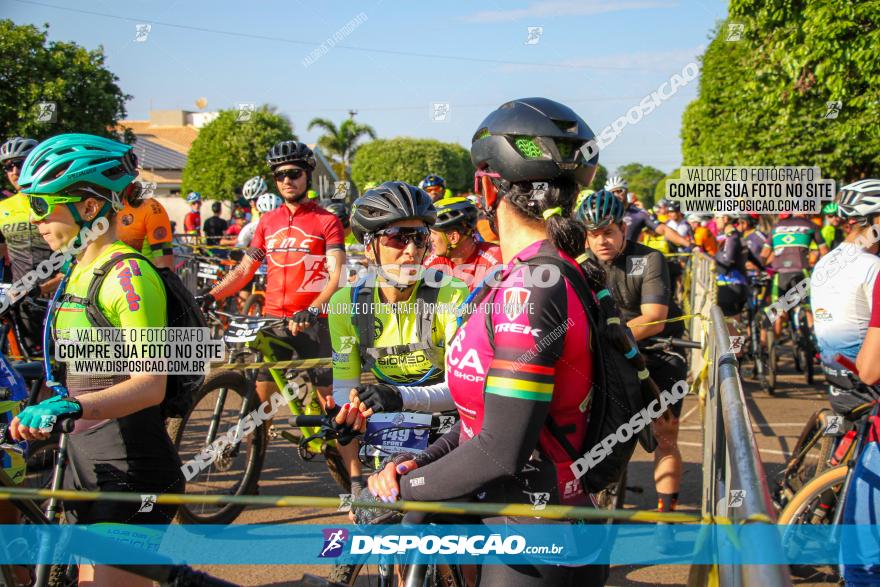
x=306, y=421
x=67, y=425
x=687, y=344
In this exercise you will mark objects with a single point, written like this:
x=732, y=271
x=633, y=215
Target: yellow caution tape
x=295, y=364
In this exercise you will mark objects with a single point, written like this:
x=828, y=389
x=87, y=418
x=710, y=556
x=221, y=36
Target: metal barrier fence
x=734, y=482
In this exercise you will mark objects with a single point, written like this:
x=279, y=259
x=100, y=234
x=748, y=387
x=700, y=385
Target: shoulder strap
x=362, y=299
x=93, y=311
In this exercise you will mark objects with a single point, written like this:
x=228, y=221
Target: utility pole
x=352, y=114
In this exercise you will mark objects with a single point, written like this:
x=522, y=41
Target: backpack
x=183, y=312
x=425, y=306
x=617, y=393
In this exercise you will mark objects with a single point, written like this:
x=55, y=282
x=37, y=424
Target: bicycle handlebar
x=671, y=341
x=65, y=425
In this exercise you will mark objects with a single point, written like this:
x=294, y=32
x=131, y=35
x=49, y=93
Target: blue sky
x=598, y=56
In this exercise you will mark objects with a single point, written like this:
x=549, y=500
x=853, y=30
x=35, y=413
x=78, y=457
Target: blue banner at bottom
x=565, y=544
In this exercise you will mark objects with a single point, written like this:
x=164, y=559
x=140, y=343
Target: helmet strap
x=84, y=224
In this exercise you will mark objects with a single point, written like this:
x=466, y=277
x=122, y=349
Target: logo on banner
x=334, y=540
x=515, y=299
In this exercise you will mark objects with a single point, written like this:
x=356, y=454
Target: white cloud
x=551, y=8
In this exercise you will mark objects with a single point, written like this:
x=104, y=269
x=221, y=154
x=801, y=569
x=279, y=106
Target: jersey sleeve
x=191, y=222
x=133, y=296
x=334, y=235
x=158, y=227
x=656, y=284
x=875, y=304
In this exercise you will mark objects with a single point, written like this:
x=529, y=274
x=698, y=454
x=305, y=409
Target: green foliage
x=227, y=153
x=341, y=143
x=764, y=99
x=599, y=179
x=642, y=180
x=35, y=70
x=410, y=160
x=660, y=190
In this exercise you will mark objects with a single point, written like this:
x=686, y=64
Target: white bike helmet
x=860, y=200
x=254, y=188
x=616, y=182
x=268, y=202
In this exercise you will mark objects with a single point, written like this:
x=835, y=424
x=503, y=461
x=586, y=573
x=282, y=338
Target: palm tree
x=341, y=143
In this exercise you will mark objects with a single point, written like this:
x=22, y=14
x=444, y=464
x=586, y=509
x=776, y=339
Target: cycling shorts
x=312, y=343
x=122, y=455
x=666, y=370
x=782, y=282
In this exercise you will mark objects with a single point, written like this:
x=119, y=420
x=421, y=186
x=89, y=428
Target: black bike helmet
x=455, y=213
x=388, y=203
x=340, y=210
x=600, y=209
x=534, y=139
x=291, y=152
x=16, y=148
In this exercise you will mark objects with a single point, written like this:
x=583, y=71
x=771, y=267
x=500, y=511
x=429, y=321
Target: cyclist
x=303, y=247
x=832, y=232
x=508, y=389
x=636, y=218
x=192, y=222
x=215, y=226
x=844, y=289
x=754, y=238
x=119, y=441
x=638, y=278
x=265, y=203
x=230, y=236
x=143, y=224
x=454, y=246
x=434, y=185
x=392, y=222
x=787, y=252
x=730, y=262
x=704, y=239
x=21, y=242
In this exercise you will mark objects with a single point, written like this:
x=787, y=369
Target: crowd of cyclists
x=521, y=398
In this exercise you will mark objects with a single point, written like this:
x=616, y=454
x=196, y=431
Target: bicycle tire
x=336, y=467
x=253, y=302
x=825, y=481
x=63, y=576
x=7, y=576
x=244, y=483
x=772, y=361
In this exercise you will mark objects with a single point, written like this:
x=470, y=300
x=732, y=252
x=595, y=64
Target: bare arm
x=866, y=362
x=673, y=237
x=125, y=398
x=335, y=265
x=164, y=261
x=238, y=277
x=650, y=313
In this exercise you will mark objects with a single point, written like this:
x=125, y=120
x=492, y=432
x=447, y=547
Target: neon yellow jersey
x=131, y=296
x=656, y=242
x=392, y=328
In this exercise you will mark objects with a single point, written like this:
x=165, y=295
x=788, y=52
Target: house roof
x=153, y=155
x=179, y=138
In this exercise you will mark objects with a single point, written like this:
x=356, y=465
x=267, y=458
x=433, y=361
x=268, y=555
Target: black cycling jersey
x=640, y=275
x=215, y=227
x=732, y=254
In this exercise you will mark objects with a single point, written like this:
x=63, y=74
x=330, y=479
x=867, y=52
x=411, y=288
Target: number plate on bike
x=209, y=271
x=391, y=433
x=242, y=330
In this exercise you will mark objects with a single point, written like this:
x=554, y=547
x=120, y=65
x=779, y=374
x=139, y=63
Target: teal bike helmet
x=600, y=209
x=70, y=162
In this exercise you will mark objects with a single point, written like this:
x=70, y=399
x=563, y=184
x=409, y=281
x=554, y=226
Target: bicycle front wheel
x=233, y=469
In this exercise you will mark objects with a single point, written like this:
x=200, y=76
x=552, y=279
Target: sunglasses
x=43, y=206
x=292, y=174
x=485, y=189
x=399, y=238
x=13, y=165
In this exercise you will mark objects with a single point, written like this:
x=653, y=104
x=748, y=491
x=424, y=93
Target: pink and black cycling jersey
x=538, y=365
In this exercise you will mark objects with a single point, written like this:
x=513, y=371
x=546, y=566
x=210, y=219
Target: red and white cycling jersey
x=295, y=245
x=472, y=270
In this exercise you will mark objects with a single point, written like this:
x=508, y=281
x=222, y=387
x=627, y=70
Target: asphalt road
x=777, y=422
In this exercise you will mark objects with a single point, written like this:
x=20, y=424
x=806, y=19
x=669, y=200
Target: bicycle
x=799, y=333
x=221, y=405
x=763, y=369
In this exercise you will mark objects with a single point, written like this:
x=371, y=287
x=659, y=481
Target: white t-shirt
x=247, y=234
x=841, y=288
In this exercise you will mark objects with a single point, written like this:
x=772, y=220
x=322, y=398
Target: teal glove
x=45, y=414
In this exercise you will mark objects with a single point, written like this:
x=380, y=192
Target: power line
x=336, y=46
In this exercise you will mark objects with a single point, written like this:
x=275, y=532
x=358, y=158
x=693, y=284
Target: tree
x=86, y=96
x=660, y=190
x=228, y=152
x=764, y=100
x=341, y=143
x=642, y=180
x=599, y=179
x=410, y=160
